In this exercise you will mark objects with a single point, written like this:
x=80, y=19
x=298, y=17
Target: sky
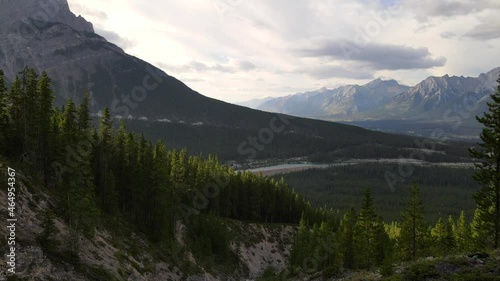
x=236, y=50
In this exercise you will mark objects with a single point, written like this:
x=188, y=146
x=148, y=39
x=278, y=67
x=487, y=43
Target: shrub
x=420, y=271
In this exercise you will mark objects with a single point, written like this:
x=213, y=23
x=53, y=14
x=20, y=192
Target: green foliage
x=47, y=238
x=420, y=271
x=271, y=274
x=445, y=190
x=414, y=233
x=106, y=175
x=443, y=237
x=315, y=249
x=369, y=239
x=488, y=174
x=347, y=238
x=387, y=267
x=4, y=117
x=210, y=238
x=480, y=234
x=462, y=234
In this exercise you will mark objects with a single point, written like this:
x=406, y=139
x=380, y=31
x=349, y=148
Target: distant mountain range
x=387, y=105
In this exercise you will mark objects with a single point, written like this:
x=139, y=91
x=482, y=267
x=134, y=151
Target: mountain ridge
x=41, y=11
x=428, y=101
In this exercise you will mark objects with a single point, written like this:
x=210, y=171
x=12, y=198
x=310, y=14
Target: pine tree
x=347, y=227
x=47, y=238
x=450, y=241
x=82, y=212
x=480, y=235
x=4, y=117
x=69, y=131
x=301, y=248
x=31, y=104
x=106, y=182
x=16, y=132
x=129, y=204
x=365, y=232
x=84, y=120
x=413, y=229
x=462, y=233
x=44, y=115
x=488, y=198
x=442, y=235
x=382, y=246
x=121, y=167
x=164, y=204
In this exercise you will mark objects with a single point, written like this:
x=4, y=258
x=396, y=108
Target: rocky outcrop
x=38, y=14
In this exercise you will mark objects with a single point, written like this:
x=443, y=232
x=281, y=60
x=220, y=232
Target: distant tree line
x=445, y=190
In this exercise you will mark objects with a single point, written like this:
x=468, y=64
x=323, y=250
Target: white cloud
x=238, y=50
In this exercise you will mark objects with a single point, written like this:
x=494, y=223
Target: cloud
x=246, y=65
x=87, y=11
x=115, y=38
x=296, y=43
x=196, y=66
x=488, y=29
x=447, y=35
x=190, y=79
x=484, y=32
x=426, y=9
x=334, y=71
x=376, y=55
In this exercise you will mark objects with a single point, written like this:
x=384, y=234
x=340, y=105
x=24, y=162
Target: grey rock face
x=39, y=13
x=342, y=102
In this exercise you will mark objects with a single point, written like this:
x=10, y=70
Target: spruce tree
x=47, y=238
x=84, y=120
x=413, y=228
x=382, y=246
x=480, y=236
x=44, y=114
x=106, y=182
x=301, y=246
x=347, y=245
x=462, y=233
x=488, y=198
x=442, y=235
x=16, y=133
x=69, y=128
x=364, y=234
x=4, y=117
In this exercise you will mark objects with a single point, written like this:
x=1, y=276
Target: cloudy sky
x=238, y=50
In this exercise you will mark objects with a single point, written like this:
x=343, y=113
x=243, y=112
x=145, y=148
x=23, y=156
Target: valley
x=128, y=151
x=294, y=167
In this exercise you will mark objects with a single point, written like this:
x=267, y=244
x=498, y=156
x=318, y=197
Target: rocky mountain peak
x=381, y=83
x=37, y=13
x=490, y=77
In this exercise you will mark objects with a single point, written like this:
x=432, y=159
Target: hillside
x=261, y=250
x=108, y=255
